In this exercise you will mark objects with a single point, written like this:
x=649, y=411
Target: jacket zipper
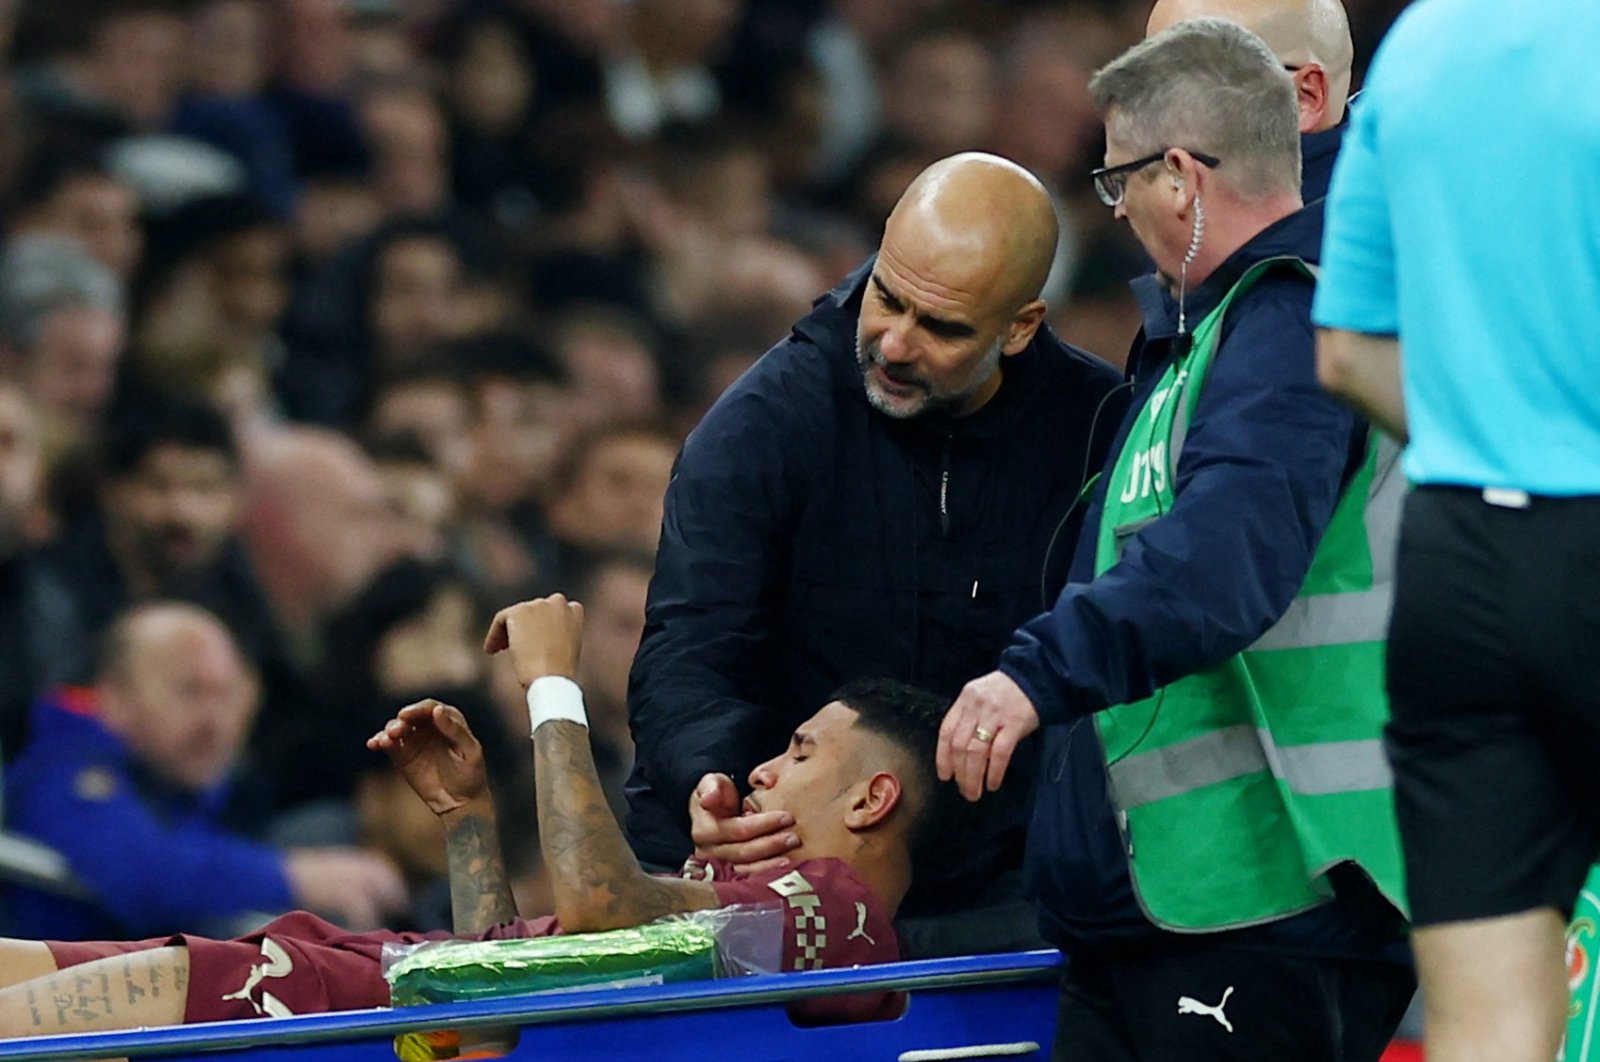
x=944, y=488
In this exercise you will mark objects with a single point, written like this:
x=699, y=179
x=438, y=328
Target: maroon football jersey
x=302, y=964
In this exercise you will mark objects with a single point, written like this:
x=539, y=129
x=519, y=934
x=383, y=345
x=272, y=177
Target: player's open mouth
x=750, y=806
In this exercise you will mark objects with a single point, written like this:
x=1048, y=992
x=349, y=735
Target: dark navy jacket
x=809, y=540
x=158, y=861
x=1265, y=458
x=1317, y=154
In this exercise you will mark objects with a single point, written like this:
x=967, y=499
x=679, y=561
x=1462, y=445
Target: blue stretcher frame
x=989, y=1006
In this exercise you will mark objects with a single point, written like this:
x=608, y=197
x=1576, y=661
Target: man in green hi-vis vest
x=1213, y=841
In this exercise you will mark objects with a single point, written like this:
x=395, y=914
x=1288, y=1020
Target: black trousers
x=1210, y=1002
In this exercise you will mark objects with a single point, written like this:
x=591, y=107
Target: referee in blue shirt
x=1464, y=228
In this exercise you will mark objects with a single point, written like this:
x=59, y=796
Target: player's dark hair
x=166, y=420
x=910, y=718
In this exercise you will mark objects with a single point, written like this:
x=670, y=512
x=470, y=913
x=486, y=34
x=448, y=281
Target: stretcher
x=989, y=1006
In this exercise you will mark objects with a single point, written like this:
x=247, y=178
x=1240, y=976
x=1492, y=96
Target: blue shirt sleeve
x=151, y=876
x=1257, y=483
x=1357, y=289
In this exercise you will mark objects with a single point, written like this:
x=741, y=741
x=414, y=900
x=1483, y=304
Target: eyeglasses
x=1110, y=182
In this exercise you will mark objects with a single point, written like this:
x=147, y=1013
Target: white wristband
x=555, y=697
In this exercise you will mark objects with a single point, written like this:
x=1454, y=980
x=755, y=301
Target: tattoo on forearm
x=480, y=890
x=583, y=847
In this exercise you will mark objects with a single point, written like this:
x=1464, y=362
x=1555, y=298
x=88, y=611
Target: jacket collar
x=1317, y=152
x=1299, y=234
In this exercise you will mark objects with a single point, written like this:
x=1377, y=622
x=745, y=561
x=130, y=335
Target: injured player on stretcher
x=857, y=778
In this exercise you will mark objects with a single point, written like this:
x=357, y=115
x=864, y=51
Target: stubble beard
x=933, y=403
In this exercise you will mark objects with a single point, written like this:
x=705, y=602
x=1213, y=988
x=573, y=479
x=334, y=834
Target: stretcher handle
x=938, y=1054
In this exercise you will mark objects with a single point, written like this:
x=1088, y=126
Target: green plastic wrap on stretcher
x=700, y=945
x=1583, y=949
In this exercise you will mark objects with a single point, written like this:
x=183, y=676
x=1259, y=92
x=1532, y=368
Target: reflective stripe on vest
x=1358, y=615
x=1236, y=751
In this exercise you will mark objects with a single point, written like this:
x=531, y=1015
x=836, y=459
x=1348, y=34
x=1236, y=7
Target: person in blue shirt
x=131, y=781
x=1462, y=231
x=1311, y=38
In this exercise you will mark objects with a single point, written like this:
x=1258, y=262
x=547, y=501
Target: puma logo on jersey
x=861, y=925
x=278, y=964
x=1190, y=1005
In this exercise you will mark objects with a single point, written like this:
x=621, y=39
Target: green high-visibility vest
x=1238, y=788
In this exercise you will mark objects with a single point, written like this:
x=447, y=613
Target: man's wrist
x=555, y=697
x=478, y=807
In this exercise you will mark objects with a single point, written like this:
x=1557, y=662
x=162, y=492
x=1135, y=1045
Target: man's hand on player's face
x=543, y=636
x=432, y=746
x=753, y=843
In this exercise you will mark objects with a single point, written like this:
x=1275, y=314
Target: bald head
x=955, y=289
x=175, y=687
x=149, y=631
x=315, y=522
x=986, y=220
x=1300, y=33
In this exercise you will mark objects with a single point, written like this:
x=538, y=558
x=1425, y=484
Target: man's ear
x=1021, y=329
x=873, y=802
x=1311, y=95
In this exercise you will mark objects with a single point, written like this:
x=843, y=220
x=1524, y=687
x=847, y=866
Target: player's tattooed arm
x=480, y=888
x=597, y=882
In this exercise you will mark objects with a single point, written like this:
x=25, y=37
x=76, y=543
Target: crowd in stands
x=329, y=326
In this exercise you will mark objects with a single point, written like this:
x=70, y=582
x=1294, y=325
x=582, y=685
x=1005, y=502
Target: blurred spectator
x=492, y=85
x=431, y=404
x=225, y=105
x=406, y=132
x=418, y=494
x=318, y=46
x=216, y=276
x=164, y=523
x=844, y=48
x=382, y=44
x=65, y=192
x=938, y=92
x=62, y=333
x=608, y=492
x=379, y=309
x=412, y=632
x=522, y=421
x=719, y=176
x=121, y=72
x=133, y=782
x=1045, y=118
x=661, y=72
x=610, y=364
x=317, y=530
x=36, y=620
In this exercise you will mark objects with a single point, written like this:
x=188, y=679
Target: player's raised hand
x=431, y=744
x=543, y=637
x=981, y=731
x=753, y=842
